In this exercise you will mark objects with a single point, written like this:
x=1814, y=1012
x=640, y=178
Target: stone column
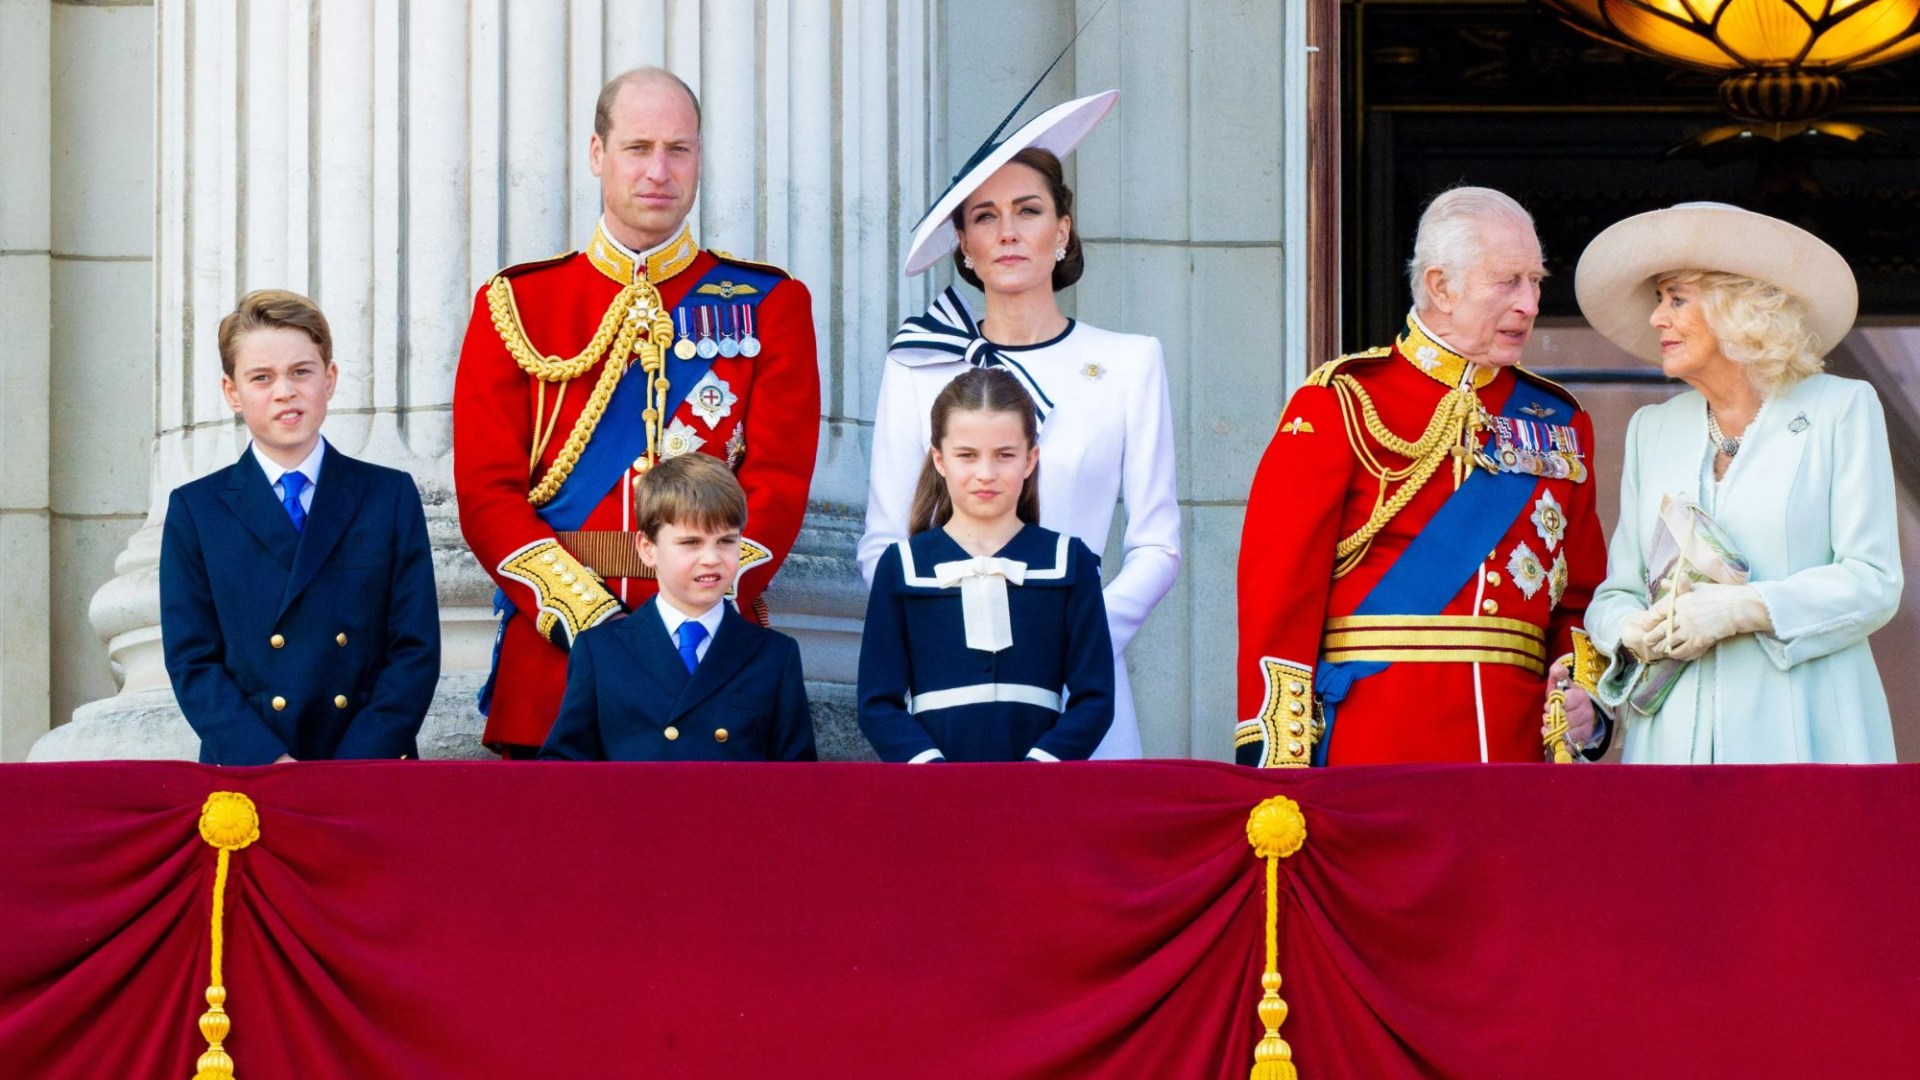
x=386, y=159
x=25, y=366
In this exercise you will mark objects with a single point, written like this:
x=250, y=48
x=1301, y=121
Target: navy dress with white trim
x=928, y=694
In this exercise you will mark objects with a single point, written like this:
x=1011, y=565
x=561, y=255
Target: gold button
x=279, y=703
x=548, y=557
x=1489, y=607
x=1493, y=577
x=277, y=641
x=1296, y=749
x=719, y=734
x=339, y=701
x=1296, y=688
x=568, y=578
x=1493, y=556
x=671, y=733
x=1296, y=708
x=1296, y=728
x=340, y=640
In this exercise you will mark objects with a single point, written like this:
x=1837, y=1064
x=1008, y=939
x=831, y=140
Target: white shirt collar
x=673, y=617
x=310, y=468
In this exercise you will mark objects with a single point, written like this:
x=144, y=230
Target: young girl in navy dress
x=980, y=617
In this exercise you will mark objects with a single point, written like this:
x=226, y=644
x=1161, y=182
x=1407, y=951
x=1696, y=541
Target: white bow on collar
x=983, y=597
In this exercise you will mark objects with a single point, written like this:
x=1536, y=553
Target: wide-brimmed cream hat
x=1615, y=281
x=1058, y=130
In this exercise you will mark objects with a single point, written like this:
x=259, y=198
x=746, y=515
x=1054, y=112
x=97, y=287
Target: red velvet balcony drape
x=848, y=921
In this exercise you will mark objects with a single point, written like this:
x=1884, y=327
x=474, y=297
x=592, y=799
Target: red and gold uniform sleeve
x=779, y=433
x=493, y=437
x=1285, y=576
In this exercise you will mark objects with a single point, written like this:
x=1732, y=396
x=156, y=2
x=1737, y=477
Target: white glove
x=1707, y=614
x=1638, y=637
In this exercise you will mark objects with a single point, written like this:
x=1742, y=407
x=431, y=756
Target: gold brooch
x=1093, y=371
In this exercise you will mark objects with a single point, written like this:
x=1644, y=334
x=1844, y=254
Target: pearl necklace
x=1726, y=444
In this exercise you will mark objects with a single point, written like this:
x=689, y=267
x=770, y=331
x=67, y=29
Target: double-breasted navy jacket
x=322, y=643
x=629, y=696
x=925, y=695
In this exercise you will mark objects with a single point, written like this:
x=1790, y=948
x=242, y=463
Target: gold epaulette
x=1323, y=375
x=730, y=257
x=1536, y=377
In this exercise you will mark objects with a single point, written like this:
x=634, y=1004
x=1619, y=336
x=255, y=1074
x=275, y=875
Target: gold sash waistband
x=1435, y=639
x=607, y=552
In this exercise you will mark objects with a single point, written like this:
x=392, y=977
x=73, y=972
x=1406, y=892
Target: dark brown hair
x=603, y=106
x=981, y=389
x=1067, y=270
x=273, y=309
x=693, y=491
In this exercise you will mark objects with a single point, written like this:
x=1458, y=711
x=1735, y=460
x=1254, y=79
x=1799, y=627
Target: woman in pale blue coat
x=1791, y=464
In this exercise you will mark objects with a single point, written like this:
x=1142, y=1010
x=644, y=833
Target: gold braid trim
x=1449, y=434
x=567, y=592
x=1286, y=727
x=506, y=322
x=644, y=315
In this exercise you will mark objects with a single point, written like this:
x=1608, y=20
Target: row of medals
x=1510, y=458
x=735, y=336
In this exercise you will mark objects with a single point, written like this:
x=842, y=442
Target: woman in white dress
x=1106, y=432
x=1790, y=465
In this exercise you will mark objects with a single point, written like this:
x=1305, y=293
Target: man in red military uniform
x=580, y=372
x=1421, y=540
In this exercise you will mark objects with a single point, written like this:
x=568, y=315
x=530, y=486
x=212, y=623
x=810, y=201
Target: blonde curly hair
x=1761, y=327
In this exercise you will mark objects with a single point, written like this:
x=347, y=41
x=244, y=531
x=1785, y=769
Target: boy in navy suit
x=685, y=677
x=297, y=605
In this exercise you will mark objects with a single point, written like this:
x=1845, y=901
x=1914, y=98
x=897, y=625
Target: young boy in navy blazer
x=297, y=606
x=685, y=677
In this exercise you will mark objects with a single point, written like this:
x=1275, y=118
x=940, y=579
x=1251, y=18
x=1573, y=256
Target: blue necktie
x=294, y=483
x=691, y=635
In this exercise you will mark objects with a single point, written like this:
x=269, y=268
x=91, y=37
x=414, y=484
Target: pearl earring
x=966, y=260
x=1060, y=254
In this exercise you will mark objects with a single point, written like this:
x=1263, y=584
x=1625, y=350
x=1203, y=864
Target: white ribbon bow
x=983, y=597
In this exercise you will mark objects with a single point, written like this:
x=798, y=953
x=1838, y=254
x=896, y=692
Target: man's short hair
x=603, y=107
x=273, y=309
x=1449, y=234
x=692, y=491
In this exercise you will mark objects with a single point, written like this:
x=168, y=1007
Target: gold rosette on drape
x=229, y=822
x=1276, y=829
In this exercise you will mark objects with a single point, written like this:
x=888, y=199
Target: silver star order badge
x=712, y=399
x=679, y=439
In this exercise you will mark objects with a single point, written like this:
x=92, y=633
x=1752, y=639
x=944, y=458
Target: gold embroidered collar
x=1431, y=355
x=613, y=259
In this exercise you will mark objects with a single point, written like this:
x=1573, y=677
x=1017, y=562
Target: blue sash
x=1442, y=558
x=621, y=436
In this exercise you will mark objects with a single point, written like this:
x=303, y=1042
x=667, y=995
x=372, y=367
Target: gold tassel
x=229, y=822
x=1276, y=829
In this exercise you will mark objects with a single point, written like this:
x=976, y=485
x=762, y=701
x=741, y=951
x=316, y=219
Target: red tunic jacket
x=1467, y=685
x=768, y=433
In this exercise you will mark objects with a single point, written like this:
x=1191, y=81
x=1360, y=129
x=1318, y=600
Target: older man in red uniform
x=1421, y=540
x=580, y=372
